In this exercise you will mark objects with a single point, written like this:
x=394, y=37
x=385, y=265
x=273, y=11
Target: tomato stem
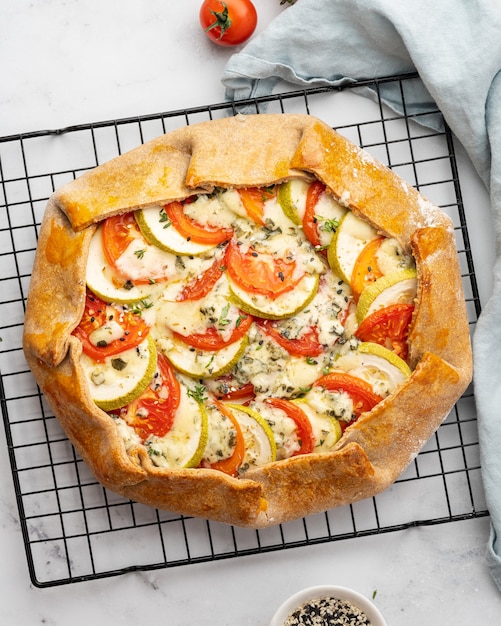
x=223, y=21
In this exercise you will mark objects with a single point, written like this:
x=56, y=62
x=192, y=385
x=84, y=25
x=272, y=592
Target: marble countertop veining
x=64, y=62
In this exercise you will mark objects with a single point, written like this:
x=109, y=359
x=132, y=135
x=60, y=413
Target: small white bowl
x=328, y=591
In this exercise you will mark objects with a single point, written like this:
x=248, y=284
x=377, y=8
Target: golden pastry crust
x=378, y=447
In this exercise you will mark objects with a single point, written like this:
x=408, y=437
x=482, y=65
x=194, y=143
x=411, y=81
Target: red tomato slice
x=366, y=270
x=388, y=327
x=310, y=228
x=306, y=345
x=204, y=283
x=260, y=272
x=303, y=424
x=118, y=233
x=253, y=199
x=231, y=464
x=192, y=230
x=153, y=412
x=96, y=314
x=364, y=399
x=211, y=340
x=229, y=390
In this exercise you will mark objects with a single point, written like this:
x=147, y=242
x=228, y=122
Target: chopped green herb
x=197, y=393
x=327, y=225
x=118, y=364
x=240, y=319
x=138, y=307
x=223, y=319
x=164, y=219
x=140, y=253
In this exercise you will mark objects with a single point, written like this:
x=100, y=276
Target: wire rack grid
x=74, y=529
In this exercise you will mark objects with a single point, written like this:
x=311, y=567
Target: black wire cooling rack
x=74, y=529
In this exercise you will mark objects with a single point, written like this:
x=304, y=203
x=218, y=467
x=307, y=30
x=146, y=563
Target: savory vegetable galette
x=244, y=320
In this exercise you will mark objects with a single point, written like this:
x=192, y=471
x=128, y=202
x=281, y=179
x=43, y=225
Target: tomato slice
x=203, y=284
x=96, y=315
x=211, y=340
x=194, y=231
x=305, y=345
x=388, y=327
x=229, y=389
x=366, y=270
x=253, y=199
x=310, y=228
x=303, y=424
x=153, y=412
x=118, y=233
x=261, y=273
x=360, y=391
x=231, y=464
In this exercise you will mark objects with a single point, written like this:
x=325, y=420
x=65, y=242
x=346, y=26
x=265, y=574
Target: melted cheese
x=210, y=211
x=189, y=317
x=221, y=438
x=119, y=375
x=330, y=404
x=328, y=214
x=143, y=262
x=106, y=334
x=283, y=427
x=201, y=434
x=186, y=439
x=391, y=257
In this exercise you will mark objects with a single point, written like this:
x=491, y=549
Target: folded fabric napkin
x=455, y=46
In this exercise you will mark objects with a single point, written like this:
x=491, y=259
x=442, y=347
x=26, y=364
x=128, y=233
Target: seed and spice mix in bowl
x=328, y=605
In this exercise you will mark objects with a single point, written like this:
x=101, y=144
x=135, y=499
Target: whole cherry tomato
x=228, y=23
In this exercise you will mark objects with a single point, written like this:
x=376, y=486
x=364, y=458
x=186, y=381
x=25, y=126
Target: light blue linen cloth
x=455, y=45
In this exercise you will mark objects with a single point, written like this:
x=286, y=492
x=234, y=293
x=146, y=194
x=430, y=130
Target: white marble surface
x=66, y=62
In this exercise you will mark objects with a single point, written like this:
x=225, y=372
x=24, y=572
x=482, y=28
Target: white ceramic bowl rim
x=333, y=591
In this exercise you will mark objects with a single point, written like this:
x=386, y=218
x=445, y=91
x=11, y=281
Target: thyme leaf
x=197, y=393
